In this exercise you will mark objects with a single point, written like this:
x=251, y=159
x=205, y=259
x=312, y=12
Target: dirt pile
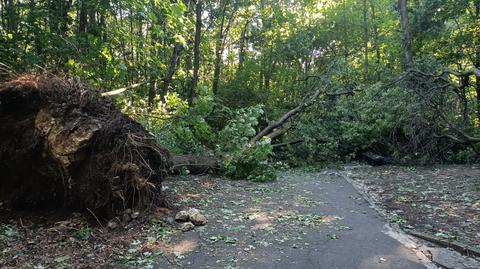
x=64, y=145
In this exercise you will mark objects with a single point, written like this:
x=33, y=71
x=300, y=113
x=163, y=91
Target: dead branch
x=121, y=90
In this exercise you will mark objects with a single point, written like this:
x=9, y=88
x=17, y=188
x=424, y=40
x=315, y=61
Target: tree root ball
x=63, y=145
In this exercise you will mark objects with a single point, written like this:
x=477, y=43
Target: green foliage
x=271, y=54
x=63, y=262
x=239, y=129
x=252, y=162
x=178, y=127
x=83, y=234
x=7, y=231
x=244, y=159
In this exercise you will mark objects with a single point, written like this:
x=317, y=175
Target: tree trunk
x=82, y=16
x=196, y=50
x=36, y=29
x=92, y=19
x=152, y=89
x=243, y=40
x=196, y=165
x=365, y=33
x=65, y=17
x=375, y=32
x=219, y=47
x=167, y=80
x=407, y=36
x=345, y=31
x=477, y=58
x=153, y=80
x=11, y=16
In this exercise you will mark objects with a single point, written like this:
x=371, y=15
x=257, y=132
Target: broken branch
x=121, y=90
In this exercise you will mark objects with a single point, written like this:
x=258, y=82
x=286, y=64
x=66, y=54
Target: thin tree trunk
x=82, y=16
x=11, y=16
x=375, y=32
x=243, y=39
x=345, y=30
x=58, y=14
x=477, y=58
x=167, y=80
x=152, y=90
x=2, y=17
x=407, y=36
x=219, y=48
x=152, y=87
x=365, y=32
x=196, y=50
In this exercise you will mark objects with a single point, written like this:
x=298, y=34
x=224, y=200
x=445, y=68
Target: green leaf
x=177, y=10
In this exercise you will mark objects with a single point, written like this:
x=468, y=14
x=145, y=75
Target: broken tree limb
x=121, y=90
x=271, y=130
x=267, y=130
x=278, y=132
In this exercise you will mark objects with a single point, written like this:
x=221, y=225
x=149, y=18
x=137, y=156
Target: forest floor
x=305, y=219
x=443, y=201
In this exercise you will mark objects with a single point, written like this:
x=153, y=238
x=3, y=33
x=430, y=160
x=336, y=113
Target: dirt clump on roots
x=63, y=145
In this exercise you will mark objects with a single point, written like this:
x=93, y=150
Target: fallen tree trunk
x=196, y=165
x=64, y=145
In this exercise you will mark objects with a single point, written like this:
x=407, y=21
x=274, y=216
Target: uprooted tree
x=62, y=144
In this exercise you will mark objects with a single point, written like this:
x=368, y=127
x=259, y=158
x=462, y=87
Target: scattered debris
x=438, y=201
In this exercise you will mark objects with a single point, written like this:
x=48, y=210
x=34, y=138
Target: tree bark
x=11, y=16
x=152, y=88
x=375, y=32
x=365, y=33
x=477, y=58
x=219, y=47
x=167, y=80
x=82, y=16
x=241, y=50
x=196, y=50
x=407, y=36
x=196, y=165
